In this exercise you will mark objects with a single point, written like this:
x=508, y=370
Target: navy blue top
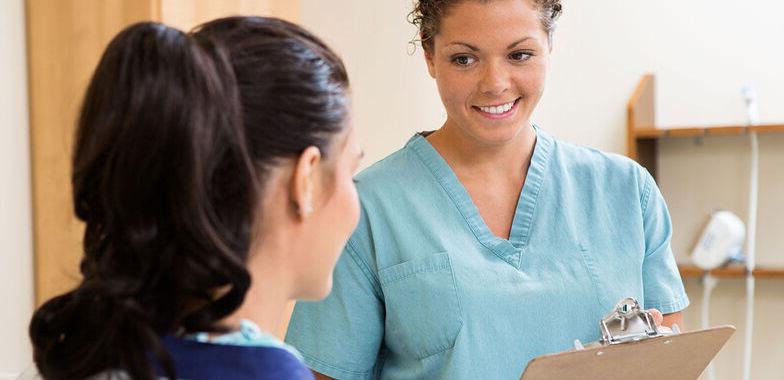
x=195, y=360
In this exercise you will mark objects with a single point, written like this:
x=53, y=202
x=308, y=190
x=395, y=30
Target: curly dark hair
x=427, y=15
x=175, y=139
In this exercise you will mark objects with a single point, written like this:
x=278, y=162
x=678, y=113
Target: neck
x=465, y=153
x=268, y=297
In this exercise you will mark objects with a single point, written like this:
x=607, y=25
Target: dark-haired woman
x=488, y=242
x=213, y=171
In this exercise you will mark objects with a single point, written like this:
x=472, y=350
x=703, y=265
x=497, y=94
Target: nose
x=495, y=79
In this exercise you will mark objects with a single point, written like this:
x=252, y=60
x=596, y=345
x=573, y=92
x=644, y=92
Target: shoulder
x=581, y=158
x=594, y=167
x=404, y=177
x=399, y=167
x=195, y=359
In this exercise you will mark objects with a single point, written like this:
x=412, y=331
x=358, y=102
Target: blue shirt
x=245, y=354
x=425, y=290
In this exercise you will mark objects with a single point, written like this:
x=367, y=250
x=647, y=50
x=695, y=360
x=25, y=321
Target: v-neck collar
x=510, y=250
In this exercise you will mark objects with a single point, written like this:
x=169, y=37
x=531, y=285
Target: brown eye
x=519, y=56
x=463, y=60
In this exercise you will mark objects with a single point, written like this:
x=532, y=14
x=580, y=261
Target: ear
x=303, y=181
x=429, y=57
x=430, y=67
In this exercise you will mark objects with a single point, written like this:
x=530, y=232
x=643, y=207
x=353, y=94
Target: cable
x=753, y=115
x=709, y=283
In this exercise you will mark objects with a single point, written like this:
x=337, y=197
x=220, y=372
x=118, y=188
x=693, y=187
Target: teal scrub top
x=424, y=290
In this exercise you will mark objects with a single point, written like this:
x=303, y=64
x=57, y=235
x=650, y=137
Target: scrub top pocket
x=423, y=314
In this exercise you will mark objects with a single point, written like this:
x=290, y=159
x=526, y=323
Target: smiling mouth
x=498, y=111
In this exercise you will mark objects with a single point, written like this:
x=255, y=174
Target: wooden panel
x=726, y=131
x=685, y=132
x=65, y=41
x=718, y=130
x=186, y=14
x=772, y=128
x=647, y=153
x=640, y=112
x=649, y=133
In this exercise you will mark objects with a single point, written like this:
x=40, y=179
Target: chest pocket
x=423, y=313
x=616, y=273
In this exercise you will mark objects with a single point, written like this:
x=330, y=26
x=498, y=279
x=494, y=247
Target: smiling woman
x=488, y=242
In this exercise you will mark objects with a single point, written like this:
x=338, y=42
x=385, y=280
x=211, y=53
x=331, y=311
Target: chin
x=497, y=134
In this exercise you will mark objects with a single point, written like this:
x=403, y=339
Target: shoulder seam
x=646, y=193
x=365, y=268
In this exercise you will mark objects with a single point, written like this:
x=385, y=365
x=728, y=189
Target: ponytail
x=164, y=183
x=175, y=137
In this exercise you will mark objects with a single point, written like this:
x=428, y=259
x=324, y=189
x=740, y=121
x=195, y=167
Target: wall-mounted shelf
x=644, y=136
x=643, y=140
x=731, y=272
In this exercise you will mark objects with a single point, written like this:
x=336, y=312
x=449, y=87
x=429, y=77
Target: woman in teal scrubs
x=488, y=242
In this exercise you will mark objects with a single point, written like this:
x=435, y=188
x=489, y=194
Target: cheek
x=454, y=89
x=532, y=80
x=343, y=214
x=351, y=204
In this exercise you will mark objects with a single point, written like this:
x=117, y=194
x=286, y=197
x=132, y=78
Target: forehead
x=491, y=20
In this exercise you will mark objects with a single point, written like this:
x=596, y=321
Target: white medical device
x=721, y=241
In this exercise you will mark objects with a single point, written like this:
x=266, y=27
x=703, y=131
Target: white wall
x=701, y=51
x=16, y=252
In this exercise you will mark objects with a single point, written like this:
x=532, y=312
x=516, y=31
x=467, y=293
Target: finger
x=658, y=318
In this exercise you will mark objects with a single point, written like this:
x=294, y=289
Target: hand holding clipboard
x=632, y=346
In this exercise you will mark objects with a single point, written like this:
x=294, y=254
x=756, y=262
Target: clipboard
x=642, y=353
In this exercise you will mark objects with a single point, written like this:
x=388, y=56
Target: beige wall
x=16, y=251
x=393, y=94
x=701, y=50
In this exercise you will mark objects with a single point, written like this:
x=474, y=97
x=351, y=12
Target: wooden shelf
x=643, y=139
x=731, y=272
x=644, y=135
x=719, y=130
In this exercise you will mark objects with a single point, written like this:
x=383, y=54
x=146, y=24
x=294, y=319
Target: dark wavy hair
x=176, y=135
x=427, y=15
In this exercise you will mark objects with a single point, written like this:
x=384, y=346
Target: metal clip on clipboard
x=630, y=342
x=627, y=323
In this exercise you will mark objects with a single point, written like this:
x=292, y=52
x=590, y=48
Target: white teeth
x=497, y=110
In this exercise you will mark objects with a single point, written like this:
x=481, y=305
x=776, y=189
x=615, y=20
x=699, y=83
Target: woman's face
x=489, y=60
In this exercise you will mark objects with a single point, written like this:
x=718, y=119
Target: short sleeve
x=662, y=285
x=341, y=335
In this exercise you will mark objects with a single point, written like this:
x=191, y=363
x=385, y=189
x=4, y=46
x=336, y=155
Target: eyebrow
x=474, y=48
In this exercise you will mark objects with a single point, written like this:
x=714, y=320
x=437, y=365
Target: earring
x=308, y=209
